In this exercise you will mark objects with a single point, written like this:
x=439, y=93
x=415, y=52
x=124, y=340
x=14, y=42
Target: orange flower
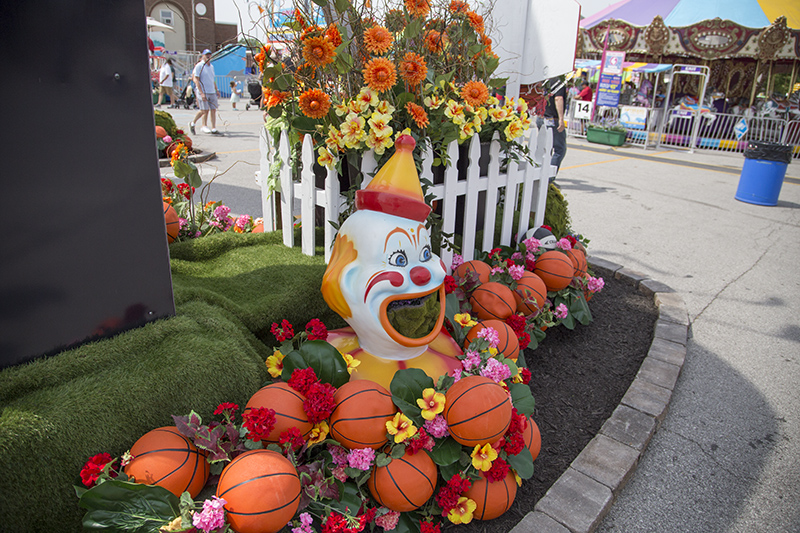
x=435, y=41
x=178, y=152
x=476, y=21
x=262, y=56
x=418, y=8
x=273, y=98
x=377, y=39
x=380, y=74
x=314, y=103
x=299, y=17
x=457, y=6
x=413, y=69
x=318, y=51
x=418, y=114
x=332, y=32
x=475, y=93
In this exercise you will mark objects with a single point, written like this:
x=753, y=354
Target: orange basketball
x=404, y=484
x=477, y=410
x=258, y=228
x=555, y=269
x=187, y=141
x=509, y=343
x=173, y=224
x=362, y=409
x=262, y=491
x=492, y=499
x=288, y=406
x=578, y=261
x=160, y=132
x=493, y=300
x=479, y=267
x=166, y=458
x=530, y=293
x=533, y=438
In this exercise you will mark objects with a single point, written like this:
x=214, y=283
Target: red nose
x=420, y=275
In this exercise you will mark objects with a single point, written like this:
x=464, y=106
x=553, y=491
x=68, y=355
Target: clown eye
x=398, y=259
x=425, y=254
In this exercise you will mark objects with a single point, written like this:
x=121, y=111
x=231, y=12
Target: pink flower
x=561, y=311
x=388, y=521
x=242, y=221
x=495, y=370
x=305, y=524
x=339, y=473
x=491, y=335
x=595, y=284
x=361, y=459
x=516, y=257
x=167, y=139
x=457, y=261
x=471, y=360
x=182, y=223
x=564, y=244
x=437, y=428
x=212, y=516
x=516, y=272
x=532, y=245
x=496, y=270
x=338, y=454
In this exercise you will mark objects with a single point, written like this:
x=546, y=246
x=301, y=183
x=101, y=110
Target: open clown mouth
x=415, y=318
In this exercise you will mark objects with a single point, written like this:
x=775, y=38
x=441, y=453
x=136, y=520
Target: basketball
x=509, y=343
x=258, y=228
x=492, y=499
x=362, y=409
x=533, y=438
x=404, y=484
x=187, y=141
x=479, y=267
x=530, y=294
x=477, y=410
x=545, y=237
x=493, y=300
x=578, y=259
x=173, y=224
x=166, y=458
x=160, y=132
x=555, y=269
x=288, y=406
x=262, y=491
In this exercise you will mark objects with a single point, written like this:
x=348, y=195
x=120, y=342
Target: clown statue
x=386, y=282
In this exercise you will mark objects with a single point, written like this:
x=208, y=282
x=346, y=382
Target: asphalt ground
x=727, y=457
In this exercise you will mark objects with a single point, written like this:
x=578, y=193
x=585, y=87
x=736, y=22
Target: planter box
x=611, y=138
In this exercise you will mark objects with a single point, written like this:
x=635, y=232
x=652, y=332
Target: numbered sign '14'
x=583, y=110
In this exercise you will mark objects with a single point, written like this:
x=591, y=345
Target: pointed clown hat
x=396, y=189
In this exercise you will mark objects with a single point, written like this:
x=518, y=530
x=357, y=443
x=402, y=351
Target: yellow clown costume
x=382, y=261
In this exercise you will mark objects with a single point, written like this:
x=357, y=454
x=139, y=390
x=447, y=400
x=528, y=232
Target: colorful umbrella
x=676, y=13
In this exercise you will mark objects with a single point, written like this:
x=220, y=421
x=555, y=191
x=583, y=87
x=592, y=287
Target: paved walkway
x=727, y=457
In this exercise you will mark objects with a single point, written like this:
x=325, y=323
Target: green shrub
x=556, y=214
x=166, y=121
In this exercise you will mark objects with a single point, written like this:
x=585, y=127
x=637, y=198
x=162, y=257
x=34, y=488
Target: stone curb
x=196, y=158
x=580, y=499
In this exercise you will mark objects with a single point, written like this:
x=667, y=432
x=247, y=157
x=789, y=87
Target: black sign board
x=83, y=249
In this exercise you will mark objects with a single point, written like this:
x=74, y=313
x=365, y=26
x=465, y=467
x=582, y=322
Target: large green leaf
x=407, y=386
x=327, y=362
x=124, y=506
x=321, y=3
x=408, y=523
x=446, y=452
x=341, y=5
x=349, y=499
x=522, y=398
x=522, y=463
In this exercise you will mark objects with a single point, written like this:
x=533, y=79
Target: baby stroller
x=254, y=88
x=186, y=98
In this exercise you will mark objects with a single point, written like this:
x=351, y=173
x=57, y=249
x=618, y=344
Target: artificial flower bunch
x=355, y=74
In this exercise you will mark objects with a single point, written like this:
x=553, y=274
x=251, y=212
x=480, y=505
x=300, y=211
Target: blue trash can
x=763, y=172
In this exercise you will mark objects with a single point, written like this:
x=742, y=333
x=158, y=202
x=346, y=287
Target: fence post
x=471, y=198
x=332, y=204
x=267, y=196
x=308, y=194
x=449, y=199
x=493, y=183
x=287, y=190
x=531, y=179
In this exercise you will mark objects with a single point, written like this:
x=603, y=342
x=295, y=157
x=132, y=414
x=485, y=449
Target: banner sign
x=634, y=118
x=608, y=89
x=613, y=63
x=691, y=69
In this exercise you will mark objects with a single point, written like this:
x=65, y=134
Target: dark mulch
x=579, y=378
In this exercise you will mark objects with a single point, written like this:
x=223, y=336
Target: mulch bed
x=579, y=378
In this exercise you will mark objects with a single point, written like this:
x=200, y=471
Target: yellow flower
x=275, y=364
x=318, y=433
x=399, y=134
x=379, y=143
x=467, y=130
x=357, y=106
x=325, y=158
x=352, y=130
x=352, y=362
x=401, y=427
x=499, y=113
x=518, y=377
x=492, y=351
x=517, y=478
x=385, y=107
x=462, y=512
x=482, y=457
x=433, y=101
x=368, y=96
x=335, y=141
x=455, y=111
x=341, y=109
x=513, y=130
x=464, y=320
x=431, y=403
x=379, y=124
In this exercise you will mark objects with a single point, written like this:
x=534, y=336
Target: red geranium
x=94, y=467
x=316, y=330
x=514, y=443
x=447, y=498
x=450, y=284
x=429, y=527
x=302, y=380
x=283, y=332
x=292, y=438
x=226, y=406
x=526, y=374
x=517, y=323
x=319, y=402
x=524, y=340
x=259, y=422
x=498, y=471
x=420, y=441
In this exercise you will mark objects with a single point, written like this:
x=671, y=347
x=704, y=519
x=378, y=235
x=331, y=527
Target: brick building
x=194, y=30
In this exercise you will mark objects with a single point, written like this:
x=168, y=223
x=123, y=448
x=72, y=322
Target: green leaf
x=341, y=5
x=404, y=98
x=304, y=124
x=327, y=362
x=448, y=471
x=522, y=398
x=522, y=463
x=124, y=506
x=446, y=452
x=194, y=178
x=406, y=387
x=498, y=82
x=383, y=460
x=398, y=452
x=413, y=28
x=491, y=65
x=276, y=111
x=349, y=499
x=321, y=3
x=408, y=523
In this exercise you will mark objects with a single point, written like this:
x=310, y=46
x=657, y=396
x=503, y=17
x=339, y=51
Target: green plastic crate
x=600, y=136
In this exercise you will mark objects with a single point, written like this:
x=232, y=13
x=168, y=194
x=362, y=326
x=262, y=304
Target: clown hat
x=395, y=189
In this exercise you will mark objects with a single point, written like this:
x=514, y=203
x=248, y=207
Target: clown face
x=387, y=284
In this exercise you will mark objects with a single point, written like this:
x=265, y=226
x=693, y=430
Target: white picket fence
x=500, y=188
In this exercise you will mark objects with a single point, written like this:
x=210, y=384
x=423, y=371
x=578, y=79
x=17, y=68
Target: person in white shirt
x=205, y=83
x=166, y=79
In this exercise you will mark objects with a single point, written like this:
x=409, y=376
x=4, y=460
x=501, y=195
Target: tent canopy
x=626, y=66
x=678, y=13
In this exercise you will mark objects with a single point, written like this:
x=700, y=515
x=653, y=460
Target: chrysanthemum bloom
x=413, y=69
x=314, y=103
x=418, y=113
x=482, y=457
x=431, y=403
x=318, y=51
x=418, y=8
x=333, y=35
x=462, y=512
x=378, y=40
x=324, y=157
x=380, y=74
x=435, y=41
x=476, y=21
x=401, y=427
x=475, y=93
x=457, y=6
x=275, y=364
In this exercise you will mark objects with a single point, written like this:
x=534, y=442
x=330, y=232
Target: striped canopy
x=626, y=66
x=677, y=13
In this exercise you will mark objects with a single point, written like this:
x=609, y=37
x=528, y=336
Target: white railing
x=498, y=189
